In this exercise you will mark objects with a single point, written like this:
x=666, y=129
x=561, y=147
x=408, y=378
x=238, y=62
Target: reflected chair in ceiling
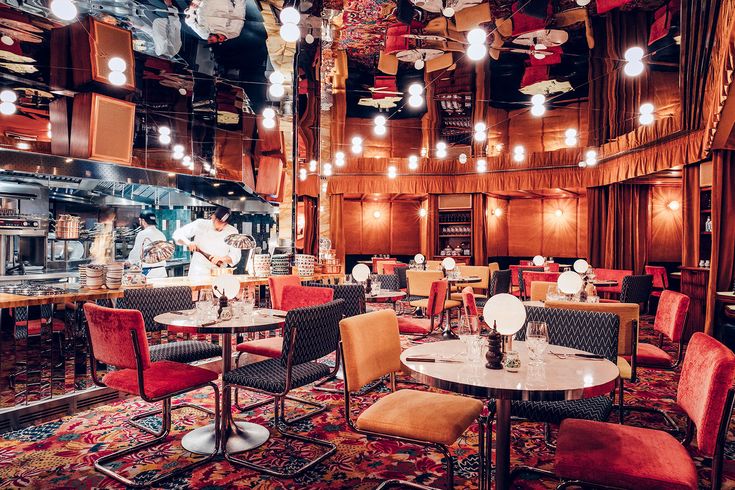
x=589, y=454
x=371, y=350
x=584, y=330
x=117, y=338
x=310, y=333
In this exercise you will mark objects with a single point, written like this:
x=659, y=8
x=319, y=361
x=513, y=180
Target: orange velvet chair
x=117, y=338
x=620, y=456
x=515, y=276
x=529, y=277
x=468, y=301
x=660, y=280
x=276, y=285
x=613, y=275
x=377, y=260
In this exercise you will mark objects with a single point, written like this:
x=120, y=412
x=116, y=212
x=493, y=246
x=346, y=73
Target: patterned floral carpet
x=60, y=454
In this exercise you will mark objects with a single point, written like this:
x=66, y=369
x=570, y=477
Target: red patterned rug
x=60, y=454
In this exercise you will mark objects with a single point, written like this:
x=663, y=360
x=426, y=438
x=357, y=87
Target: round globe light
x=277, y=77
x=380, y=130
x=290, y=33
x=419, y=258
x=413, y=165
x=276, y=90
x=63, y=9
x=8, y=96
x=380, y=120
x=117, y=64
x=340, y=155
x=441, y=145
x=570, y=141
x=164, y=139
x=476, y=36
x=570, y=133
x=448, y=12
x=339, y=163
x=538, y=99
x=7, y=40
x=290, y=15
x=581, y=266
x=646, y=119
x=646, y=108
x=538, y=110
x=269, y=123
x=462, y=158
x=164, y=130
x=415, y=89
x=539, y=260
x=449, y=264
x=633, y=68
x=419, y=64
x=360, y=272
x=309, y=38
x=480, y=136
x=356, y=149
x=634, y=54
x=178, y=148
x=312, y=166
x=519, y=157
x=356, y=141
x=117, y=78
x=441, y=154
x=506, y=312
x=480, y=126
x=7, y=108
x=583, y=3
x=519, y=149
x=415, y=101
x=476, y=52
x=269, y=113
x=569, y=282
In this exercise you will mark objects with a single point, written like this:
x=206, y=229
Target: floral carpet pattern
x=61, y=453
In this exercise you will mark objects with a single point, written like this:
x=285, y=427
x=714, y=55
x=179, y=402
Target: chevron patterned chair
x=593, y=332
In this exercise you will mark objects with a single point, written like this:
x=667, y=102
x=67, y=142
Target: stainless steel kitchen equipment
x=23, y=243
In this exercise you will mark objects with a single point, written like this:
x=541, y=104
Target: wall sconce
x=498, y=212
x=558, y=213
x=673, y=205
x=376, y=214
x=422, y=212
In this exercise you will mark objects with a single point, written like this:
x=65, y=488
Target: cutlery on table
x=431, y=359
x=589, y=357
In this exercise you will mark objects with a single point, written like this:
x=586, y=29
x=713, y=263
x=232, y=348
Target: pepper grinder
x=494, y=354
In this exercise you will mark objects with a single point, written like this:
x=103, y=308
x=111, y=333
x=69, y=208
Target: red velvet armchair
x=276, y=285
x=436, y=305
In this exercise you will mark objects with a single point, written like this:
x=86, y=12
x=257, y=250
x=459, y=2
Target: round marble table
x=239, y=436
x=555, y=379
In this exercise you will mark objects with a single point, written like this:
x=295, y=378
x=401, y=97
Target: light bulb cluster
x=537, y=105
x=380, y=122
x=269, y=118
x=312, y=166
x=633, y=61
x=646, y=114
x=290, y=18
x=117, y=68
x=570, y=137
x=463, y=158
x=63, y=9
x=519, y=153
x=480, y=132
x=392, y=172
x=590, y=159
x=276, y=89
x=327, y=170
x=441, y=150
x=302, y=174
x=164, y=135
x=481, y=166
x=339, y=159
x=413, y=162
x=356, y=145
x=477, y=48
x=8, y=98
x=415, y=95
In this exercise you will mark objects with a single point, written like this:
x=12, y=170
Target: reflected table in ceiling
x=555, y=379
x=239, y=436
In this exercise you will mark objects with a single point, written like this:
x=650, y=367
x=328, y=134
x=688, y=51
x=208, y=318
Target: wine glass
x=204, y=305
x=537, y=341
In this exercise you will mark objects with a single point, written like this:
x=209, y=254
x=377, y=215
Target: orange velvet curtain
x=432, y=217
x=722, y=259
x=479, y=234
x=690, y=216
x=336, y=226
x=618, y=218
x=721, y=66
x=311, y=226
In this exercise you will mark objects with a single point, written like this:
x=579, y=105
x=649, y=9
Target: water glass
x=469, y=334
x=537, y=341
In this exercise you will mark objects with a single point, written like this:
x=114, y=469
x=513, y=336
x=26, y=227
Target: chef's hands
x=192, y=247
x=217, y=260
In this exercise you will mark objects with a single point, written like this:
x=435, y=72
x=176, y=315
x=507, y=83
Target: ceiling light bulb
x=116, y=64
x=312, y=166
x=178, y=148
x=476, y=52
x=376, y=214
x=117, y=78
x=7, y=40
x=419, y=64
x=276, y=91
x=476, y=36
x=583, y=3
x=441, y=154
x=290, y=33
x=558, y=213
x=481, y=166
x=415, y=101
x=570, y=133
x=538, y=110
x=277, y=77
x=164, y=130
x=340, y=155
x=7, y=108
x=673, y=205
x=392, y=172
x=412, y=164
x=634, y=54
x=570, y=141
x=519, y=157
x=422, y=212
x=380, y=130
x=415, y=89
x=538, y=99
x=269, y=113
x=481, y=126
x=356, y=141
x=448, y=12
x=590, y=154
x=519, y=149
x=646, y=119
x=462, y=158
x=269, y=123
x=338, y=163
x=327, y=170
x=8, y=96
x=380, y=120
x=633, y=68
x=63, y=9
x=441, y=145
x=356, y=149
x=646, y=108
x=290, y=15
x=497, y=212
x=164, y=139
x=23, y=146
x=480, y=136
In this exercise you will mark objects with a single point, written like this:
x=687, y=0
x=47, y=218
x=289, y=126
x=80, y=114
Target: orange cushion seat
x=433, y=417
x=161, y=379
x=622, y=456
x=267, y=347
x=650, y=355
x=410, y=325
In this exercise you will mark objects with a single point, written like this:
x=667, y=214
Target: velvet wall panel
x=524, y=227
x=559, y=238
x=666, y=225
x=352, y=219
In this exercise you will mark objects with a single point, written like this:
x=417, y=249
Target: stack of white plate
x=82, y=276
x=305, y=264
x=95, y=276
x=262, y=265
x=280, y=265
x=114, y=275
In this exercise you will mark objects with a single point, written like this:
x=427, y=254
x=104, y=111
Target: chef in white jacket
x=145, y=237
x=208, y=236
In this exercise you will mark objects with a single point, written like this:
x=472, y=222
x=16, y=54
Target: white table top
x=262, y=319
x=384, y=296
x=556, y=379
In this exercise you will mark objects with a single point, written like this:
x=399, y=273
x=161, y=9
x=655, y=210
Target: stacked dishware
x=113, y=275
x=305, y=264
x=262, y=265
x=67, y=227
x=82, y=276
x=280, y=265
x=95, y=276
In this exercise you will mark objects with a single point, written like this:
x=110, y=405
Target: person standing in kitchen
x=205, y=239
x=145, y=237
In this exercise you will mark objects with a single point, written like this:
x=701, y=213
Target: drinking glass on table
x=469, y=334
x=204, y=305
x=537, y=341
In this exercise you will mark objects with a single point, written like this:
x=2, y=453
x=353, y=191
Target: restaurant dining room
x=367, y=244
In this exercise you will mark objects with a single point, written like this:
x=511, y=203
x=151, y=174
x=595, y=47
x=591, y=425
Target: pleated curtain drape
x=722, y=259
x=432, y=217
x=336, y=226
x=690, y=213
x=311, y=225
x=479, y=232
x=618, y=217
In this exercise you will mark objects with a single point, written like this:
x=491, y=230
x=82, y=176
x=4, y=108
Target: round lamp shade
x=241, y=241
x=360, y=272
x=570, y=282
x=158, y=251
x=506, y=312
x=539, y=260
x=581, y=266
x=227, y=285
x=419, y=259
x=449, y=264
